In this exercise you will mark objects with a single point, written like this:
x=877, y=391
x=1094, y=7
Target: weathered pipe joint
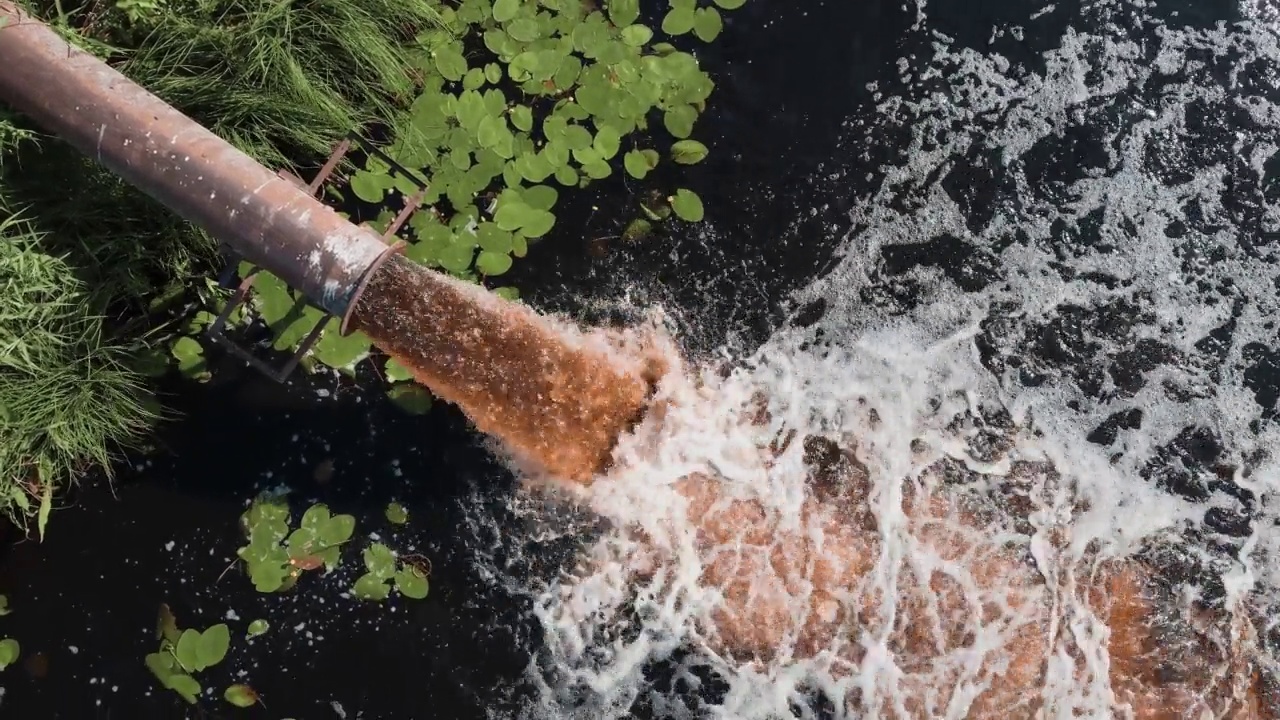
x=264, y=217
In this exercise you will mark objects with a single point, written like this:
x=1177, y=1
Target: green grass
x=281, y=80
x=67, y=400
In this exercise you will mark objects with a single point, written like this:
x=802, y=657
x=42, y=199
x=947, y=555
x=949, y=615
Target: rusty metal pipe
x=263, y=217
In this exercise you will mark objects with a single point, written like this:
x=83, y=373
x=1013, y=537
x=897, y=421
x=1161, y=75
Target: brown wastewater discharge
x=560, y=398
x=556, y=396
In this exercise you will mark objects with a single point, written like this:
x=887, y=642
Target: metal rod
x=264, y=218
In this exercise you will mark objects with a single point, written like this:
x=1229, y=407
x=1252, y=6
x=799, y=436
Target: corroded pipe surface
x=263, y=217
x=558, y=397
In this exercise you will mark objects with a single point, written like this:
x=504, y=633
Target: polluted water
x=1015, y=456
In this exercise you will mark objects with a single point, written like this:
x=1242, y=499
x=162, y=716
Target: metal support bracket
x=217, y=330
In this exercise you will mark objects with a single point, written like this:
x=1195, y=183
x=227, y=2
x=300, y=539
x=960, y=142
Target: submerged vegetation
x=497, y=107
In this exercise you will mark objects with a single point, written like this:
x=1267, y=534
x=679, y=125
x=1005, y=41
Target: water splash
x=1057, y=309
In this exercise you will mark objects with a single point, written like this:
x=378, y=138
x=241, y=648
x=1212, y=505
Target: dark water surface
x=778, y=185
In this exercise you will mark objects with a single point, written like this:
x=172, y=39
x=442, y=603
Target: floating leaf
x=410, y=397
x=522, y=117
x=687, y=205
x=505, y=10
x=396, y=372
x=636, y=35
x=507, y=293
x=370, y=187
x=396, y=514
x=607, y=142
x=162, y=665
x=337, y=530
x=190, y=356
x=637, y=164
x=411, y=583
x=188, y=650
x=540, y=197
x=688, y=152
x=371, y=587
x=4, y=605
x=213, y=645
x=268, y=577
x=241, y=696
x=9, y=652
x=451, y=64
x=341, y=352
x=474, y=79
x=623, y=12
x=184, y=685
x=637, y=230
x=493, y=73
x=524, y=30
x=492, y=263
x=679, y=120
x=257, y=627
x=315, y=517
x=730, y=4
x=707, y=24
x=678, y=21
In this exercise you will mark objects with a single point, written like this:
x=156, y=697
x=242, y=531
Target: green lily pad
x=396, y=514
x=184, y=685
x=396, y=372
x=370, y=187
x=637, y=230
x=257, y=627
x=241, y=696
x=411, y=583
x=679, y=120
x=637, y=164
x=678, y=21
x=9, y=652
x=492, y=264
x=4, y=605
x=341, y=352
x=707, y=24
x=607, y=142
x=337, y=530
x=636, y=35
x=623, y=12
x=688, y=152
x=371, y=587
x=730, y=4
x=410, y=397
x=213, y=645
x=687, y=205
x=505, y=10
x=522, y=117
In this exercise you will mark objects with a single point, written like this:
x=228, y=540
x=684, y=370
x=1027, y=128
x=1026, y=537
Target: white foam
x=918, y=366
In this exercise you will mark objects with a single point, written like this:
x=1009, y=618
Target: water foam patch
x=1062, y=293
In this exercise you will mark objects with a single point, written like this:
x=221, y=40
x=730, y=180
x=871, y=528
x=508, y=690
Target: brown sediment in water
x=810, y=587
x=556, y=396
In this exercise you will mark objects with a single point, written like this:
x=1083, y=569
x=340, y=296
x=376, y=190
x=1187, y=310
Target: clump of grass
x=66, y=397
x=282, y=80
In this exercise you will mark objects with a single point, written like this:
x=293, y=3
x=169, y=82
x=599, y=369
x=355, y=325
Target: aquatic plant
x=183, y=653
x=256, y=628
x=276, y=557
x=396, y=514
x=408, y=575
x=516, y=98
x=241, y=695
x=10, y=650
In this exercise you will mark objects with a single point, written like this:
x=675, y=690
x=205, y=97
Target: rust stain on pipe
x=201, y=177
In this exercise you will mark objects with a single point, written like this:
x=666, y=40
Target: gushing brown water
x=558, y=397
